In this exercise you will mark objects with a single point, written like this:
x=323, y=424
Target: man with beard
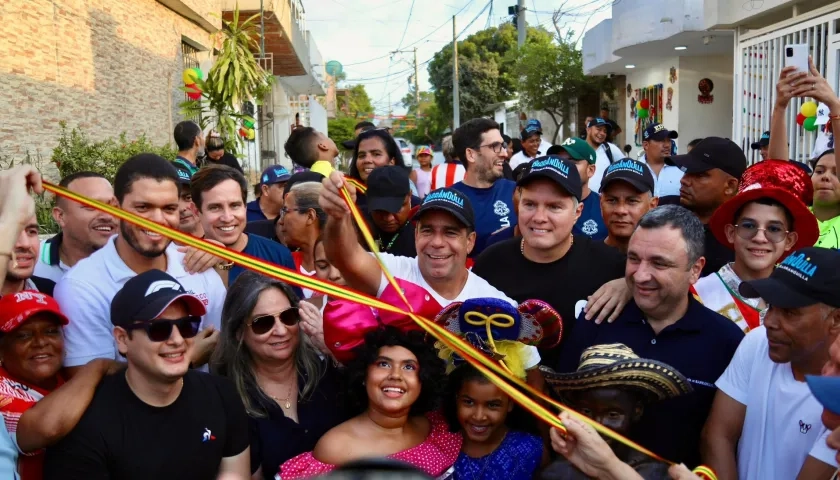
x=220, y=194
x=145, y=185
x=83, y=229
x=482, y=150
x=190, y=144
x=664, y=323
x=656, y=142
x=598, y=131
x=713, y=171
x=764, y=422
x=19, y=272
x=188, y=214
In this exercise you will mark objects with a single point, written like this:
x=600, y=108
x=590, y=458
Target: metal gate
x=759, y=59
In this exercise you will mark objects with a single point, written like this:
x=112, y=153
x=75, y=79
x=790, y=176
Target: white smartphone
x=796, y=55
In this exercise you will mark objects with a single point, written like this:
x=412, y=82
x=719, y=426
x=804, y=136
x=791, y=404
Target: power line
x=474, y=19
x=410, y=11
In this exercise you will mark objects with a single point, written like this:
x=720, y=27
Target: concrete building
x=104, y=66
x=736, y=47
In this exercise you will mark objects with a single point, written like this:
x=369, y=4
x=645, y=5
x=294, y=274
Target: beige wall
x=106, y=66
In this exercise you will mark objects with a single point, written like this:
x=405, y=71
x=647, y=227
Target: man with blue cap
x=268, y=206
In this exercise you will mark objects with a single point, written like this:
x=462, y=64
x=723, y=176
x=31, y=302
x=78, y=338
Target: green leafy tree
x=552, y=78
x=430, y=121
x=341, y=129
x=486, y=69
x=236, y=77
x=356, y=101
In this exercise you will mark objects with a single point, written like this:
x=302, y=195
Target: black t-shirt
x=717, y=254
x=400, y=243
x=562, y=284
x=227, y=159
x=119, y=436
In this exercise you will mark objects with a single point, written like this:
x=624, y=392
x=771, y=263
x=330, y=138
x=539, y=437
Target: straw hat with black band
x=617, y=366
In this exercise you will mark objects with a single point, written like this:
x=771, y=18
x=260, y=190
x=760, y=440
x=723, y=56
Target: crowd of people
x=690, y=303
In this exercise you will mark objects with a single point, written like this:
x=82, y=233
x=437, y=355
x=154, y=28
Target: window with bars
x=760, y=59
x=189, y=59
x=652, y=94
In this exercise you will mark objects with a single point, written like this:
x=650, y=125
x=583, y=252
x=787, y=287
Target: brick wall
x=103, y=65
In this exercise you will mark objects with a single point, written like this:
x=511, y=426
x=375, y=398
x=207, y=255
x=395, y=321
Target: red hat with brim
x=782, y=182
x=17, y=308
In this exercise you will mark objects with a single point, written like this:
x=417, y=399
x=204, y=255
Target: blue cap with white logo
x=275, y=174
x=806, y=277
x=559, y=170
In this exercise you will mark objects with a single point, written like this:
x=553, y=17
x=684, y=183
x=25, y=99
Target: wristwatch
x=224, y=266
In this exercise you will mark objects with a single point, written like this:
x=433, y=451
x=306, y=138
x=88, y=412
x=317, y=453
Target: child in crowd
x=482, y=412
x=612, y=386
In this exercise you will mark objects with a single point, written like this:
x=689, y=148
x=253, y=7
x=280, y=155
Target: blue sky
x=361, y=34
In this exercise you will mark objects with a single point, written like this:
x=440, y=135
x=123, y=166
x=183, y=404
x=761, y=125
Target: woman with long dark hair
x=374, y=148
x=289, y=391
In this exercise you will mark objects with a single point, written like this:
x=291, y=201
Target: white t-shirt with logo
x=85, y=293
x=782, y=426
x=407, y=268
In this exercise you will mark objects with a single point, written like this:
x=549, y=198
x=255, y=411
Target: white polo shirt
x=85, y=293
x=49, y=265
x=667, y=183
x=407, y=268
x=602, y=162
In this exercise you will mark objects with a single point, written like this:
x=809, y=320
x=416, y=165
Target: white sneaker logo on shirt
x=590, y=227
x=500, y=208
x=804, y=427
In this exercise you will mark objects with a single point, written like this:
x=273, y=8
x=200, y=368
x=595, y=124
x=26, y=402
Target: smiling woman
x=393, y=383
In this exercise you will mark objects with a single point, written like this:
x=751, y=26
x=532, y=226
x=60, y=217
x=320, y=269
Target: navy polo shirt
x=270, y=251
x=253, y=211
x=494, y=211
x=591, y=222
x=700, y=345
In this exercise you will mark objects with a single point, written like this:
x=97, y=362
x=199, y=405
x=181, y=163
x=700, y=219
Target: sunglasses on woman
x=161, y=330
x=264, y=323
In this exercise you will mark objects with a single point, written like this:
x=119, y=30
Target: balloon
x=800, y=119
x=251, y=134
x=193, y=92
x=639, y=105
x=810, y=124
x=198, y=73
x=645, y=103
x=189, y=76
x=248, y=124
x=243, y=133
x=194, y=95
x=809, y=109
x=642, y=113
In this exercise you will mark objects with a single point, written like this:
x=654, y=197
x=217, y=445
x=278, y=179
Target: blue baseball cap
x=275, y=174
x=762, y=142
x=826, y=390
x=534, y=123
x=600, y=122
x=450, y=201
x=184, y=175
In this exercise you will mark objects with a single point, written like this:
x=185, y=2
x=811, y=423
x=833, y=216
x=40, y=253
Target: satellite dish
x=334, y=68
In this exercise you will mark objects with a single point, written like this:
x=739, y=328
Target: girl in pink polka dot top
x=395, y=381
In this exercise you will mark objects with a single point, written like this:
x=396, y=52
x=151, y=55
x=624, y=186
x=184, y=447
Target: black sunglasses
x=264, y=323
x=161, y=330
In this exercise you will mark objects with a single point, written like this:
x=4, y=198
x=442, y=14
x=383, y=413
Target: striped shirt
x=447, y=174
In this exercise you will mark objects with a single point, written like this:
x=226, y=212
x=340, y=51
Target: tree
x=552, y=78
x=486, y=69
x=341, y=129
x=355, y=102
x=236, y=77
x=430, y=122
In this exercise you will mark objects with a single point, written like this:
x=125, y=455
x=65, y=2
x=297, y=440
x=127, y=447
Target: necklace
x=287, y=403
x=390, y=244
x=522, y=244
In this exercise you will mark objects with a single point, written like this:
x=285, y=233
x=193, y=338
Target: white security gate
x=759, y=58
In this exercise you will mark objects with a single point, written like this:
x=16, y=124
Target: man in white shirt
x=531, y=138
x=764, y=421
x=444, y=236
x=656, y=143
x=597, y=132
x=146, y=185
x=83, y=229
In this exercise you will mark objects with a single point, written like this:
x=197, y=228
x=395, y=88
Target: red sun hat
x=17, y=308
x=782, y=181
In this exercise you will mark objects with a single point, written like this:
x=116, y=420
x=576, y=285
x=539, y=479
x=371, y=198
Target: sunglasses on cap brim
x=161, y=330
x=263, y=324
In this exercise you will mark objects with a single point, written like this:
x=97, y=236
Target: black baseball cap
x=712, y=152
x=806, y=277
x=387, y=188
x=634, y=172
x=147, y=295
x=184, y=176
x=301, y=177
x=762, y=142
x=600, y=122
x=561, y=171
x=658, y=132
x=450, y=201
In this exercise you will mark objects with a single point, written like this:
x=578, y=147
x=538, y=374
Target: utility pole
x=520, y=22
x=456, y=107
x=416, y=83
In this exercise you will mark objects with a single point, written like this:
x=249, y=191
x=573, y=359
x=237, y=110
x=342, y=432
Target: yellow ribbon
x=478, y=319
x=495, y=372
